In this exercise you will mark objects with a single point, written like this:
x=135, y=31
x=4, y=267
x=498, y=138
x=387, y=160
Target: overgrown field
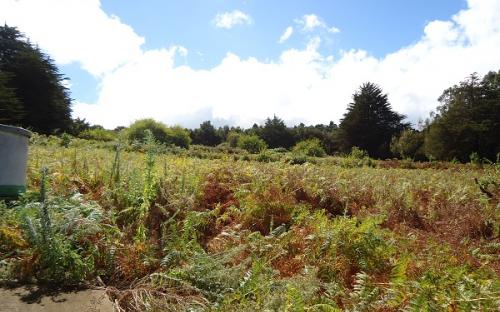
x=212, y=231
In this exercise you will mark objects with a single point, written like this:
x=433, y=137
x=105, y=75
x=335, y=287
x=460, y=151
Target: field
x=219, y=230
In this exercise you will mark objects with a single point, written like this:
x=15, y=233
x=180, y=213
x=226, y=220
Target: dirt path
x=37, y=299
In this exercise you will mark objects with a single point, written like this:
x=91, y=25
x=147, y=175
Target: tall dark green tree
x=11, y=110
x=36, y=82
x=276, y=134
x=370, y=123
x=467, y=121
x=206, y=134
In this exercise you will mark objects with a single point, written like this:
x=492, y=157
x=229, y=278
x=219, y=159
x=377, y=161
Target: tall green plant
x=149, y=190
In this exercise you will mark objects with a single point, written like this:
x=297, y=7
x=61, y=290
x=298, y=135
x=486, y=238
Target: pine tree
x=206, y=135
x=36, y=82
x=276, y=134
x=11, y=110
x=370, y=123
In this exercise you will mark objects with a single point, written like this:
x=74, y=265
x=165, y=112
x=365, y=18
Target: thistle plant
x=149, y=190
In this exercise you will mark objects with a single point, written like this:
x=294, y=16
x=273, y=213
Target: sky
x=237, y=62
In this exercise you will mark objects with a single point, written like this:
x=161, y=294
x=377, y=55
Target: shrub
x=232, y=138
x=178, y=136
x=65, y=139
x=357, y=158
x=175, y=135
x=252, y=143
x=266, y=156
x=136, y=130
x=297, y=159
x=311, y=147
x=98, y=134
x=408, y=144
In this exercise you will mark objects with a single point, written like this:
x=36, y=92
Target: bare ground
x=33, y=298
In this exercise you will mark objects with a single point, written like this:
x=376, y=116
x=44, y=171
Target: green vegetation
x=468, y=120
x=98, y=134
x=251, y=143
x=166, y=135
x=210, y=229
x=409, y=144
x=311, y=147
x=370, y=123
x=32, y=91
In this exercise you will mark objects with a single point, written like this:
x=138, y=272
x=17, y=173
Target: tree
x=178, y=136
x=370, y=123
x=408, y=144
x=206, y=135
x=36, y=82
x=276, y=134
x=468, y=120
x=11, y=110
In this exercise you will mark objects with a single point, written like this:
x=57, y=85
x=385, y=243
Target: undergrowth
x=210, y=230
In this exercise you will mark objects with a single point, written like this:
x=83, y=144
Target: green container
x=13, y=160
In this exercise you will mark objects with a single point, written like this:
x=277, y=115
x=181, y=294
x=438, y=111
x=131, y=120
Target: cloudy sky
x=237, y=62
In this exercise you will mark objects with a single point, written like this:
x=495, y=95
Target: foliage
x=178, y=136
x=11, y=110
x=98, y=134
x=168, y=229
x=232, y=138
x=325, y=133
x=467, y=121
x=357, y=158
x=136, y=131
x=41, y=100
x=205, y=135
x=370, y=123
x=311, y=147
x=251, y=143
x=165, y=135
x=408, y=144
x=276, y=134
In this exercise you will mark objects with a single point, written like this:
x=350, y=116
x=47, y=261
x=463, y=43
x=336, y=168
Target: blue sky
x=379, y=27
x=238, y=62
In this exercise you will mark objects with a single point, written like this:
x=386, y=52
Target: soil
x=33, y=298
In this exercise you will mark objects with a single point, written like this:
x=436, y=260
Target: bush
x=232, y=138
x=98, y=134
x=408, y=144
x=136, y=131
x=266, y=156
x=311, y=147
x=252, y=143
x=357, y=158
x=297, y=159
x=178, y=136
x=162, y=134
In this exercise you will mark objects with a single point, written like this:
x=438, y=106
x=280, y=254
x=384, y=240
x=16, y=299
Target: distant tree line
x=33, y=95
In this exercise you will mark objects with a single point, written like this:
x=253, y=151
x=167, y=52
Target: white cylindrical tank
x=13, y=160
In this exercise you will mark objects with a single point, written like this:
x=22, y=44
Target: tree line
x=467, y=122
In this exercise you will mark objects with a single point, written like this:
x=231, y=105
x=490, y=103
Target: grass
x=217, y=229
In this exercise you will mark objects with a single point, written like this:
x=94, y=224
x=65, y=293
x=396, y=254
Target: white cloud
x=228, y=20
x=74, y=31
x=286, y=35
x=302, y=85
x=310, y=22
